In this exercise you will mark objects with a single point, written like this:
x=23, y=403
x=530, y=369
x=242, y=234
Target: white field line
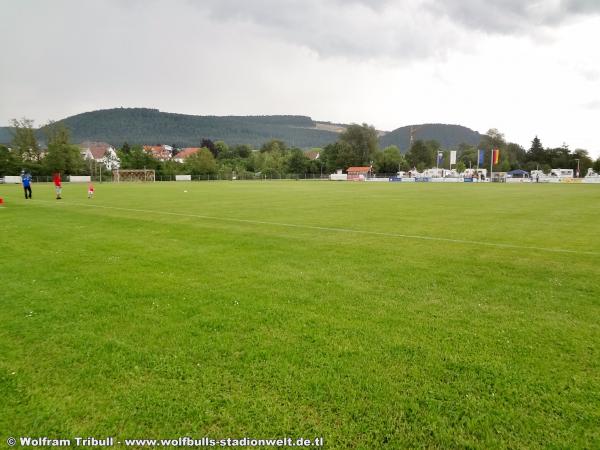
x=333, y=229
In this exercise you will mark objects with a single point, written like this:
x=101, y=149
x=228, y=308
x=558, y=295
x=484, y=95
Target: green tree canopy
x=390, y=160
x=467, y=154
x=536, y=151
x=274, y=145
x=361, y=141
x=585, y=162
x=62, y=156
x=9, y=162
x=422, y=154
x=137, y=158
x=24, y=142
x=201, y=163
x=297, y=162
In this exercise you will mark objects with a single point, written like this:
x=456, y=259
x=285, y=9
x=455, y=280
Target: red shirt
x=56, y=179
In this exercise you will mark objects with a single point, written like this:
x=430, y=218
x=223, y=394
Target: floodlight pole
x=577, y=159
x=491, y=165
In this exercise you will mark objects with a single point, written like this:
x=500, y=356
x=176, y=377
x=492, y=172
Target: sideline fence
x=108, y=178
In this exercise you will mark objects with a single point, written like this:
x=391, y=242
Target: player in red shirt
x=57, y=185
x=90, y=190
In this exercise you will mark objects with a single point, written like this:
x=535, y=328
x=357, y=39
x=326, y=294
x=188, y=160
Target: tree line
x=356, y=146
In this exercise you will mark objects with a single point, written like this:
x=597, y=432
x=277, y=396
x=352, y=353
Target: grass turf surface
x=119, y=319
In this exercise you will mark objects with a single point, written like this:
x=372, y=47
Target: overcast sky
x=525, y=67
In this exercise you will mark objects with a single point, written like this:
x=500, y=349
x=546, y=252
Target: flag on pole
x=453, y=157
x=480, y=157
x=440, y=157
x=496, y=155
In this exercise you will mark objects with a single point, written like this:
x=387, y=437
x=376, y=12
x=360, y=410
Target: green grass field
x=303, y=309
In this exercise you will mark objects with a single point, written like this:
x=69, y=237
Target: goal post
x=142, y=175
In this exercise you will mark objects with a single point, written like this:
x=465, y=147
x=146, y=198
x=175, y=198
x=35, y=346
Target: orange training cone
x=1, y=201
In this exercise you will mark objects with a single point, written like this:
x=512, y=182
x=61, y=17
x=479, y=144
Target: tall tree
x=24, y=142
x=207, y=143
x=126, y=149
x=201, y=163
x=422, y=155
x=363, y=141
x=536, y=152
x=137, y=158
x=62, y=156
x=516, y=155
x=467, y=154
x=585, y=162
x=559, y=157
x=243, y=151
x=274, y=145
x=221, y=148
x=493, y=139
x=297, y=162
x=390, y=160
x=9, y=163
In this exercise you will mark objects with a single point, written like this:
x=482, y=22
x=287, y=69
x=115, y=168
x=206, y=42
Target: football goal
x=133, y=175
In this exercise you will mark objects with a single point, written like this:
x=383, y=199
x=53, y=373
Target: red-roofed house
x=185, y=153
x=101, y=152
x=160, y=152
x=358, y=173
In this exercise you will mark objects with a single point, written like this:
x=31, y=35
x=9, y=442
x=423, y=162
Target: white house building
x=100, y=152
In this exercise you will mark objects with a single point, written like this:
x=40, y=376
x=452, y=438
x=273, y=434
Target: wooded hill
x=151, y=126
x=449, y=136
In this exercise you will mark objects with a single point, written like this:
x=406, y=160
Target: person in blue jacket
x=26, y=179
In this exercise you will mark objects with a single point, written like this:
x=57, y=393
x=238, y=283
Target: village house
x=101, y=153
x=185, y=153
x=160, y=152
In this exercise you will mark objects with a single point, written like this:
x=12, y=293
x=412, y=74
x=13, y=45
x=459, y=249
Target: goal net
x=133, y=175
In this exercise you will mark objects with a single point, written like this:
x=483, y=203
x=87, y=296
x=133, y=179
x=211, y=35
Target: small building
x=160, y=152
x=185, y=153
x=517, y=173
x=359, y=173
x=101, y=153
x=517, y=176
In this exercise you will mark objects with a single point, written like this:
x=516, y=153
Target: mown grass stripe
x=337, y=229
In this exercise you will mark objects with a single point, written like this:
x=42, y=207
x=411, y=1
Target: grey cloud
x=355, y=29
x=409, y=29
x=512, y=16
x=581, y=6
